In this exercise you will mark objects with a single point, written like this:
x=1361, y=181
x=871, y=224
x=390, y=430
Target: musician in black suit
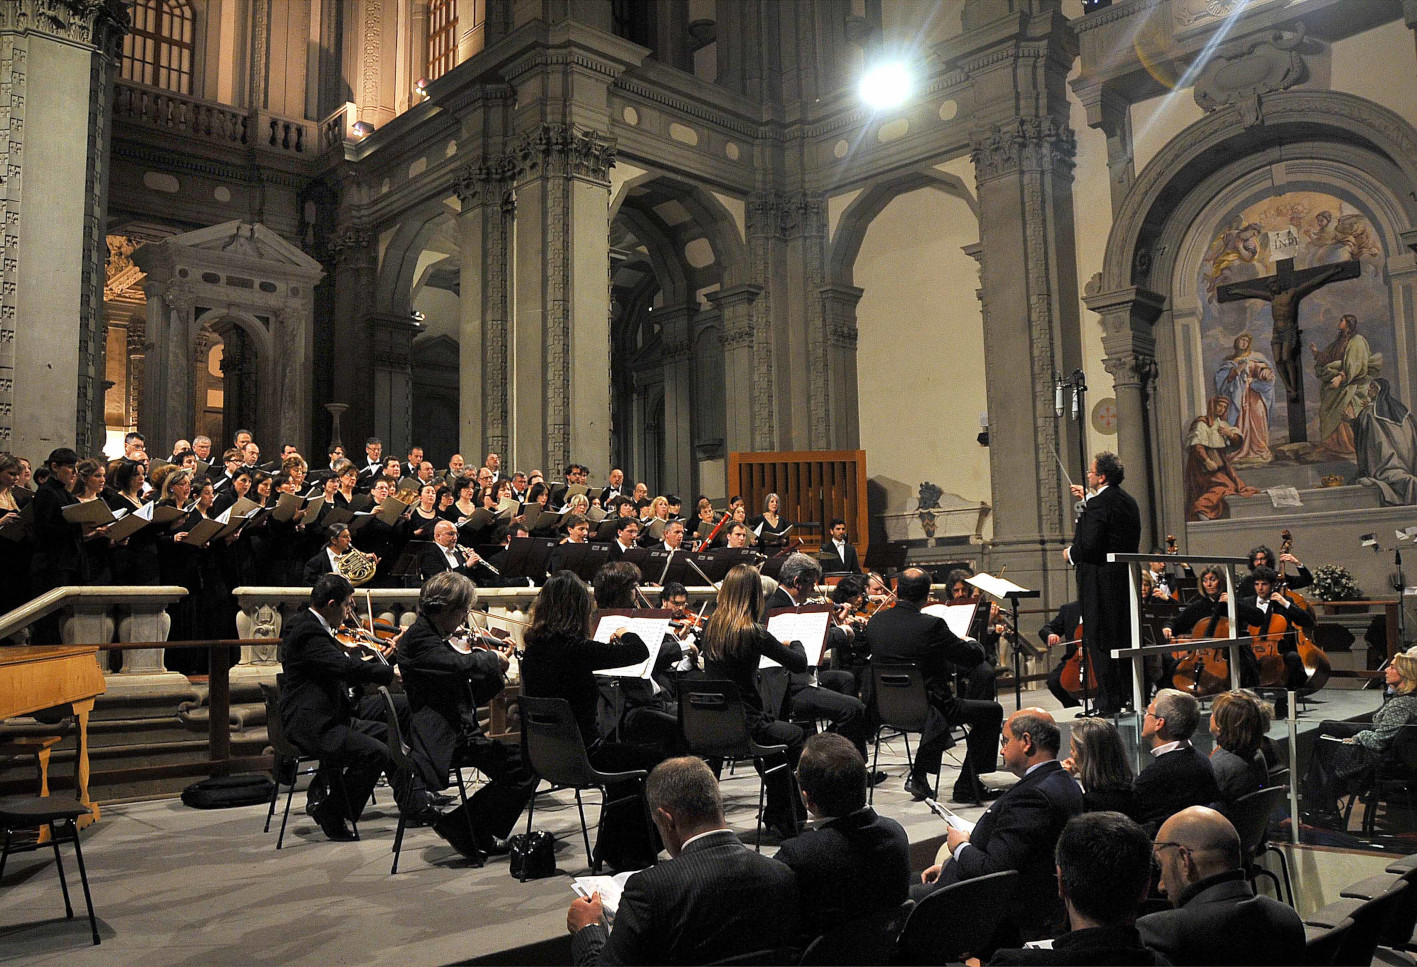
x=615, y=488
x=445, y=555
x=1060, y=631
x=837, y=554
x=714, y=899
x=1268, y=601
x=1103, y=872
x=1110, y=523
x=317, y=713
x=337, y=541
x=627, y=535
x=830, y=696
x=853, y=862
x=902, y=635
x=1020, y=831
x=1216, y=916
x=374, y=465
x=445, y=683
x=1178, y=776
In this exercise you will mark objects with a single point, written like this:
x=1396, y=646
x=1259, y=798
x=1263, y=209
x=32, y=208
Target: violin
x=365, y=644
x=1205, y=671
x=1316, y=663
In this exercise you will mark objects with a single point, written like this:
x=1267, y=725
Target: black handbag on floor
x=533, y=855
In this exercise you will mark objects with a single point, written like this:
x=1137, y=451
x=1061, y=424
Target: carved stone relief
x=1242, y=74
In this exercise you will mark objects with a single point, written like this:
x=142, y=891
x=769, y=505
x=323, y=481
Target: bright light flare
x=886, y=85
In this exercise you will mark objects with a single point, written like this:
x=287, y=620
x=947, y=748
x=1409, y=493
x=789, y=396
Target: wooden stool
x=38, y=746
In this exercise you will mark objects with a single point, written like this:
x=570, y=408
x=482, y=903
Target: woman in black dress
x=734, y=641
x=90, y=479
x=770, y=526
x=560, y=661
x=135, y=560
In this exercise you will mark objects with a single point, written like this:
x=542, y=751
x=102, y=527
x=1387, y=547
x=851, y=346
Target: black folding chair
x=555, y=752
x=956, y=921
x=1321, y=944
x=288, y=759
x=1402, y=917
x=868, y=940
x=1250, y=814
x=60, y=814
x=714, y=723
x=902, y=705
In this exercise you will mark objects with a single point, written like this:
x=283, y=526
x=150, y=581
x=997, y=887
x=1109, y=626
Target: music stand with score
x=1007, y=590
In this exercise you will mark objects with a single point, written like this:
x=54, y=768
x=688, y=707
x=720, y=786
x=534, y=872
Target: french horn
x=356, y=567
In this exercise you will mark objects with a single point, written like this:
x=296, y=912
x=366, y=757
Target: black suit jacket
x=903, y=635
x=431, y=561
x=314, y=702
x=1174, y=781
x=832, y=561
x=848, y=867
x=444, y=688
x=316, y=566
x=1221, y=921
x=1095, y=945
x=716, y=899
x=1110, y=523
x=1019, y=832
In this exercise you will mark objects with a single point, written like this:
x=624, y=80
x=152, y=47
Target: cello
x=1316, y=663
x=1078, y=675
x=1205, y=671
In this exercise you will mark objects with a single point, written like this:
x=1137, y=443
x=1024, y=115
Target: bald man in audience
x=1217, y=918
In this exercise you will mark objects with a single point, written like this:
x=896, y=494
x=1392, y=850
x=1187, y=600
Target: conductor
x=1110, y=523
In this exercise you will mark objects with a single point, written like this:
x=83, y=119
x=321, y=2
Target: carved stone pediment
x=1243, y=73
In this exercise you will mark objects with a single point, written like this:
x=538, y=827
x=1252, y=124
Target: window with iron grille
x=158, y=49
x=442, y=38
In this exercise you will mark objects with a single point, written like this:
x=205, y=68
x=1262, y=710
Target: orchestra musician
x=627, y=534
x=1061, y=631
x=837, y=554
x=446, y=681
x=1211, y=604
x=1110, y=523
x=648, y=714
x=337, y=541
x=674, y=535
x=1267, y=600
x=1262, y=556
x=444, y=554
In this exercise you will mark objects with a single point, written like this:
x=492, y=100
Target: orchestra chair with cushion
x=556, y=753
x=956, y=921
x=1250, y=814
x=1321, y=944
x=1406, y=867
x=714, y=724
x=1370, y=919
x=60, y=815
x=868, y=940
x=288, y=760
x=403, y=764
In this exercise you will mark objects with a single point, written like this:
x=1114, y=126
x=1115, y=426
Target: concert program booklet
x=807, y=624
x=130, y=524
x=610, y=888
x=202, y=532
x=391, y=510
x=650, y=625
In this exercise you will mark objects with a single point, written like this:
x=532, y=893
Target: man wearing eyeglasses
x=1178, y=775
x=1217, y=918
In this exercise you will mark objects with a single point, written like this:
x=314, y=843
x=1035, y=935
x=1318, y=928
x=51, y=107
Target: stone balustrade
x=221, y=123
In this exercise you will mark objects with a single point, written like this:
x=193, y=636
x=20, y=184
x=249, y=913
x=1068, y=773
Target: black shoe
x=438, y=799
x=332, y=825
x=918, y=788
x=783, y=830
x=494, y=845
x=420, y=818
x=453, y=829
x=968, y=795
x=876, y=778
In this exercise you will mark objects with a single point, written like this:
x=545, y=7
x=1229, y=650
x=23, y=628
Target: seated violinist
x=1205, y=617
x=648, y=712
x=979, y=682
x=851, y=650
x=1271, y=603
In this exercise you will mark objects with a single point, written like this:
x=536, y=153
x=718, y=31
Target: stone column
x=744, y=396
x=484, y=229
x=56, y=68
x=1111, y=113
x=292, y=330
x=676, y=327
x=843, y=413
x=137, y=327
x=1128, y=316
x=391, y=386
x=764, y=220
x=168, y=383
x=356, y=261
x=560, y=392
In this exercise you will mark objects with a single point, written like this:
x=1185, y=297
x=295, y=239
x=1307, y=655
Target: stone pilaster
x=53, y=191
x=1128, y=316
x=676, y=328
x=391, y=386
x=843, y=413
x=765, y=214
x=355, y=265
x=746, y=395
x=137, y=357
x=1111, y=113
x=485, y=229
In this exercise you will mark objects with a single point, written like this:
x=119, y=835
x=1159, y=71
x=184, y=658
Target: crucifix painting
x=1296, y=346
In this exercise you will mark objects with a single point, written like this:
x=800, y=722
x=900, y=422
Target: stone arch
x=261, y=406
x=1148, y=246
x=863, y=209
x=398, y=266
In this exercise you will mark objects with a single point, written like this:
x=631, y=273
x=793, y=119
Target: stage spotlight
x=886, y=85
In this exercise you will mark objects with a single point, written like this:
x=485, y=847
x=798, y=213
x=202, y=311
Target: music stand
x=407, y=565
x=1007, y=590
x=886, y=557
x=527, y=556
x=650, y=561
x=584, y=559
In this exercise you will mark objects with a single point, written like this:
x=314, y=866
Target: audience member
x=854, y=862
x=713, y=900
x=1019, y=831
x=1104, y=870
x=1237, y=722
x=1217, y=918
x=1098, y=761
x=1178, y=776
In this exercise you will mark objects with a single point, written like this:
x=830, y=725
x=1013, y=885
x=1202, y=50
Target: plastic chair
x=26, y=812
x=956, y=921
x=1370, y=918
x=714, y=724
x=1393, y=775
x=867, y=940
x=287, y=756
x=902, y=705
x=1250, y=815
x=555, y=752
x=1321, y=944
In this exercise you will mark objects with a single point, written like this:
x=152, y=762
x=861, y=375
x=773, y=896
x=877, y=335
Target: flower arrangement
x=1334, y=583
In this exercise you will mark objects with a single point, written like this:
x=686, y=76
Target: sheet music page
x=808, y=627
x=651, y=632
x=995, y=587
x=957, y=616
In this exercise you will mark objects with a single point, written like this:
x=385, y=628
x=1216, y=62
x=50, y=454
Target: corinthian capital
x=1022, y=144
